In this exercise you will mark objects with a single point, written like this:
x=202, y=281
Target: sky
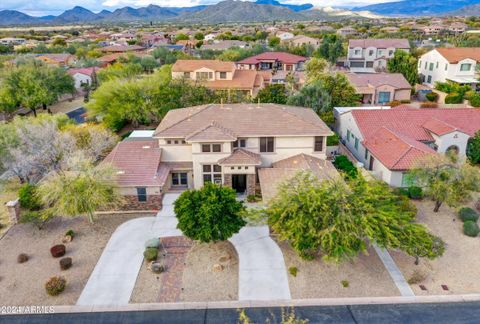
x=55, y=7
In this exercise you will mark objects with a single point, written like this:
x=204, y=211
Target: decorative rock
x=156, y=267
x=58, y=250
x=65, y=263
x=217, y=267
x=22, y=257
x=152, y=243
x=224, y=259
x=67, y=239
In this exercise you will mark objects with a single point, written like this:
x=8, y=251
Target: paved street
x=371, y=314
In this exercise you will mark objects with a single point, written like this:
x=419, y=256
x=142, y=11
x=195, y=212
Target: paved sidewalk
x=113, y=278
x=394, y=272
x=262, y=271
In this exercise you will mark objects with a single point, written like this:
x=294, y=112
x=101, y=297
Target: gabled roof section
x=379, y=43
x=192, y=65
x=241, y=157
x=243, y=120
x=438, y=127
x=396, y=151
x=455, y=54
x=273, y=56
x=212, y=132
x=396, y=80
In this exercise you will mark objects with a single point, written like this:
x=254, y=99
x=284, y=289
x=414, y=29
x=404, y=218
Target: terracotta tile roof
x=241, y=157
x=379, y=43
x=244, y=120
x=60, y=58
x=115, y=56
x=409, y=121
x=281, y=171
x=121, y=48
x=274, y=56
x=212, y=132
x=438, y=127
x=86, y=71
x=455, y=54
x=396, y=80
x=396, y=151
x=192, y=65
x=138, y=163
x=242, y=80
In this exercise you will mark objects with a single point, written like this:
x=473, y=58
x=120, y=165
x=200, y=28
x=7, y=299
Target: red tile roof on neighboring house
x=396, y=80
x=86, y=71
x=138, y=163
x=121, y=48
x=455, y=54
x=274, y=56
x=379, y=43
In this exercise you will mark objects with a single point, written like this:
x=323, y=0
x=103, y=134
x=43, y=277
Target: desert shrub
x=150, y=254
x=254, y=216
x=22, y=258
x=152, y=243
x=401, y=192
x=454, y=98
x=394, y=103
x=293, y=271
x=468, y=214
x=415, y=192
x=428, y=104
x=333, y=140
x=37, y=218
x=475, y=100
x=57, y=250
x=345, y=283
x=470, y=228
x=416, y=277
x=70, y=233
x=251, y=198
x=343, y=164
x=432, y=96
x=65, y=263
x=55, y=285
x=28, y=198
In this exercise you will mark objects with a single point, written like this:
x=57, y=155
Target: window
x=390, y=53
x=369, y=65
x=465, y=67
x=142, y=194
x=370, y=52
x=318, y=144
x=207, y=148
x=429, y=79
x=186, y=75
x=204, y=75
x=241, y=142
x=436, y=66
x=357, y=52
x=348, y=135
x=223, y=75
x=212, y=173
x=430, y=67
x=357, y=64
x=380, y=52
x=426, y=63
x=383, y=97
x=173, y=141
x=179, y=179
x=267, y=144
x=446, y=66
x=366, y=154
x=356, y=143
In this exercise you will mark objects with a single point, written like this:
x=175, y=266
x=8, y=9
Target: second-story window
x=267, y=144
x=357, y=52
x=465, y=67
x=204, y=75
x=370, y=52
x=318, y=144
x=241, y=142
x=207, y=148
x=223, y=75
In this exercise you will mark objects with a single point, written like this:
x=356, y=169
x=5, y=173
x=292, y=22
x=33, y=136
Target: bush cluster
x=432, y=96
x=470, y=228
x=454, y=98
x=28, y=198
x=55, y=285
x=343, y=164
x=415, y=192
x=428, y=104
x=150, y=254
x=468, y=214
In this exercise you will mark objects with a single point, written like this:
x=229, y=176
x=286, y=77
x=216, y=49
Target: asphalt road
x=371, y=314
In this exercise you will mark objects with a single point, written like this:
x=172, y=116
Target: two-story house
x=273, y=61
x=450, y=64
x=219, y=75
x=302, y=40
x=228, y=144
x=371, y=55
x=390, y=142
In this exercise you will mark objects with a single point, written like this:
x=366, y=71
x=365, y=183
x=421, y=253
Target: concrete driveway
x=113, y=278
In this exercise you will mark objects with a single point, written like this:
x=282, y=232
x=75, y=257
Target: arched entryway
x=453, y=149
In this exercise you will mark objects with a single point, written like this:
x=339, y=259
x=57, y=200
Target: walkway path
x=262, y=271
x=394, y=272
x=113, y=279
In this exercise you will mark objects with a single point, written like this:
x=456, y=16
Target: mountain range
x=421, y=7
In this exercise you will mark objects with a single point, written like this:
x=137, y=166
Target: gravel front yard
x=366, y=277
x=198, y=281
x=458, y=268
x=23, y=284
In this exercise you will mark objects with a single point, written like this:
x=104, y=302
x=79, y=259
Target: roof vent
x=120, y=172
x=146, y=146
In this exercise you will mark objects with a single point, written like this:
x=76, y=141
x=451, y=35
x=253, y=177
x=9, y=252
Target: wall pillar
x=227, y=180
x=251, y=184
x=13, y=208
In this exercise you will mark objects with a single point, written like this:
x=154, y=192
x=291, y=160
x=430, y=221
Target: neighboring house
x=282, y=77
x=390, y=29
x=61, y=60
x=301, y=40
x=390, y=142
x=371, y=55
x=450, y=64
x=284, y=35
x=273, y=61
x=432, y=29
x=12, y=41
x=219, y=75
x=122, y=48
x=224, y=45
x=83, y=76
x=347, y=31
x=457, y=28
x=380, y=88
x=209, y=37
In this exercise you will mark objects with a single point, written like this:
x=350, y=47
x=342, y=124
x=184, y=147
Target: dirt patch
x=23, y=284
x=364, y=277
x=458, y=268
x=201, y=277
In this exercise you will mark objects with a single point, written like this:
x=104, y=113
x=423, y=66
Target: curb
x=273, y=303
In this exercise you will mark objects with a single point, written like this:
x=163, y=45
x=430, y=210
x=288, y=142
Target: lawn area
x=8, y=191
x=458, y=268
x=23, y=284
x=191, y=274
x=66, y=106
x=366, y=277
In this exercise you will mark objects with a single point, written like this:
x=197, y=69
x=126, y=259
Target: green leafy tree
x=340, y=221
x=315, y=69
x=404, y=63
x=273, y=93
x=331, y=48
x=273, y=41
x=473, y=149
x=199, y=36
x=120, y=71
x=180, y=37
x=81, y=192
x=211, y=213
x=446, y=179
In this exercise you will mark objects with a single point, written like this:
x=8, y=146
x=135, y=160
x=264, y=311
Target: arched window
x=453, y=149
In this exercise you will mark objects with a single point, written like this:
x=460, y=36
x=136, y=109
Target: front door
x=239, y=182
